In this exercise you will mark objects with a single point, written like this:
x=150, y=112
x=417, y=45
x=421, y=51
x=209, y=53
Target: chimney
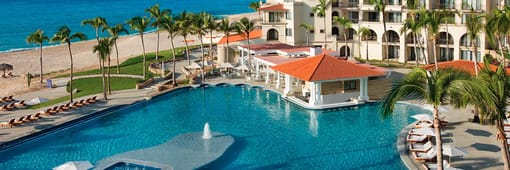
x=315, y=51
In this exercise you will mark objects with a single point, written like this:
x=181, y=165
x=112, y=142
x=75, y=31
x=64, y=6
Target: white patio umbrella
x=37, y=100
x=226, y=65
x=425, y=131
x=194, y=66
x=422, y=117
x=453, y=151
x=241, y=67
x=75, y=165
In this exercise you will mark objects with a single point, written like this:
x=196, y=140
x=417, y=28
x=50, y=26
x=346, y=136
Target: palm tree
x=436, y=88
x=114, y=32
x=473, y=27
x=103, y=50
x=140, y=24
x=156, y=13
x=226, y=27
x=255, y=6
x=96, y=23
x=320, y=9
x=415, y=27
x=432, y=20
x=498, y=24
x=211, y=26
x=448, y=19
x=199, y=28
x=497, y=84
x=38, y=37
x=245, y=27
x=172, y=28
x=308, y=28
x=380, y=6
x=364, y=32
x=184, y=21
x=63, y=35
x=346, y=24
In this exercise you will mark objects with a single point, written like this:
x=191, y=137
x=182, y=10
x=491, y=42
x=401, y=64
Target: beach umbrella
x=453, y=151
x=75, y=165
x=425, y=131
x=226, y=65
x=422, y=117
x=194, y=66
x=6, y=67
x=37, y=100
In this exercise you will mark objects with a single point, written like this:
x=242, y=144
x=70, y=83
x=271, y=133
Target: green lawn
x=134, y=65
x=90, y=86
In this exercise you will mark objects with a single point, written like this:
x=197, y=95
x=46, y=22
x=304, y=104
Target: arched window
x=272, y=34
x=392, y=36
x=335, y=31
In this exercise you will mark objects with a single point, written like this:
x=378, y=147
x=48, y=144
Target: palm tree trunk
x=439, y=143
x=70, y=74
x=307, y=38
x=109, y=82
x=386, y=39
x=157, y=43
x=117, y=53
x=203, y=57
x=187, y=51
x=504, y=144
x=210, y=52
x=173, y=60
x=474, y=56
x=367, y=50
x=104, y=81
x=325, y=28
x=345, y=41
x=143, y=50
x=249, y=53
x=447, y=42
x=415, y=49
x=434, y=51
x=97, y=39
x=228, y=47
x=40, y=62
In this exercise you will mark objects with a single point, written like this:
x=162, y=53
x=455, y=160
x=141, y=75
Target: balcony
x=349, y=4
x=274, y=21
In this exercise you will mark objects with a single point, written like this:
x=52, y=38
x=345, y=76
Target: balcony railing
x=443, y=41
x=447, y=6
x=371, y=20
x=349, y=4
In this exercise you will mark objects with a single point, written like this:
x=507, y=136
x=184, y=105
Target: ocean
x=22, y=17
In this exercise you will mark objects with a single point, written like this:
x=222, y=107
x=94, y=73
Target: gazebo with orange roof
x=330, y=82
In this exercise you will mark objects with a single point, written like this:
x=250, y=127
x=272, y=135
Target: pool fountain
x=207, y=132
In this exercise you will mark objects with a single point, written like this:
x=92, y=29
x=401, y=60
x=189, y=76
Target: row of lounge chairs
x=421, y=147
x=13, y=105
x=7, y=99
x=48, y=112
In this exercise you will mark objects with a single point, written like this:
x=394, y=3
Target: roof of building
x=276, y=7
x=240, y=37
x=464, y=65
x=276, y=59
x=324, y=67
x=277, y=46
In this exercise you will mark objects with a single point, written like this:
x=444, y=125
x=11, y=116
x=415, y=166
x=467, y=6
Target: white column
x=363, y=86
x=288, y=85
x=277, y=80
x=318, y=94
x=267, y=75
x=242, y=56
x=257, y=70
x=313, y=91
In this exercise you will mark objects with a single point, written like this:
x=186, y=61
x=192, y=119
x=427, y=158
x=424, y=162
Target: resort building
x=281, y=22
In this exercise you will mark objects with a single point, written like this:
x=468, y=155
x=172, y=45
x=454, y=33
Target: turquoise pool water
x=270, y=132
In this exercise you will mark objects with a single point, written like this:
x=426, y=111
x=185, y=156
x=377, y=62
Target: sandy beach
x=56, y=58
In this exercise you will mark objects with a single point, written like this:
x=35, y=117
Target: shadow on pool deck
x=477, y=132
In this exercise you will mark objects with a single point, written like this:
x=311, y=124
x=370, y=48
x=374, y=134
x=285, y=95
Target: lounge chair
x=5, y=107
x=35, y=116
x=425, y=156
x=62, y=108
x=420, y=147
x=416, y=138
x=422, y=124
x=91, y=100
x=47, y=112
x=54, y=110
x=20, y=103
x=19, y=120
x=76, y=105
x=27, y=118
x=9, y=123
x=433, y=166
x=67, y=106
x=83, y=102
x=8, y=98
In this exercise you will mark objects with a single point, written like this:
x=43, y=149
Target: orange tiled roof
x=240, y=37
x=465, y=65
x=324, y=67
x=277, y=7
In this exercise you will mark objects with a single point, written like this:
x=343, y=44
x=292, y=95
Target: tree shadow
x=486, y=147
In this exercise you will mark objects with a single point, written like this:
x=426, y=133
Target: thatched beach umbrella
x=6, y=67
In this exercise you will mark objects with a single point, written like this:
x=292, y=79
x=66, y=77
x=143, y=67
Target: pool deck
x=479, y=140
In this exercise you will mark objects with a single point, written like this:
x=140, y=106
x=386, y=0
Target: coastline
x=56, y=57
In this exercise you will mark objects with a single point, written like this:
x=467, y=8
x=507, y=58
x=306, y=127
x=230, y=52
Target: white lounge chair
x=421, y=147
x=421, y=124
x=416, y=138
x=425, y=156
x=433, y=166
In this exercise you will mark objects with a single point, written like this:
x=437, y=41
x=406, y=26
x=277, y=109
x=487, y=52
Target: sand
x=56, y=58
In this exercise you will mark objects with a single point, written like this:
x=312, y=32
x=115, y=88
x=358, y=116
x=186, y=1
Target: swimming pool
x=269, y=132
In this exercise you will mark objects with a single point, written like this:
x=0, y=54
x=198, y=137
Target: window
x=464, y=18
x=288, y=16
x=394, y=17
x=322, y=31
x=373, y=16
x=471, y=4
x=354, y=16
x=288, y=31
x=350, y=85
x=311, y=14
